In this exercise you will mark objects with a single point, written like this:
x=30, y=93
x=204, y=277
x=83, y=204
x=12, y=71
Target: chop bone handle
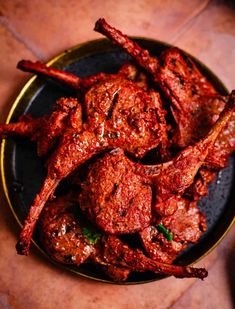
x=115, y=251
x=75, y=148
x=178, y=174
x=25, y=127
x=39, y=68
x=142, y=57
x=69, y=79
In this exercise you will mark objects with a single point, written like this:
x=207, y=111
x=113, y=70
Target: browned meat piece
x=131, y=72
x=45, y=130
x=66, y=241
x=61, y=232
x=25, y=127
x=119, y=201
x=181, y=82
x=193, y=101
x=119, y=113
x=158, y=247
x=186, y=226
x=123, y=114
x=115, y=197
x=187, y=223
x=199, y=188
x=63, y=238
x=116, y=252
x=117, y=273
x=57, y=123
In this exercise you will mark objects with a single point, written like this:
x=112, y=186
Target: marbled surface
x=41, y=29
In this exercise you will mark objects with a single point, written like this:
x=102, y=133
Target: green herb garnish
x=166, y=233
x=91, y=235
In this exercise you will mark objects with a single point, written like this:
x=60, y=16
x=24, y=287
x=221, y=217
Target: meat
x=26, y=127
x=45, y=130
x=186, y=225
x=61, y=232
x=118, y=113
x=115, y=197
x=120, y=195
x=181, y=82
x=66, y=241
x=118, y=200
x=115, y=251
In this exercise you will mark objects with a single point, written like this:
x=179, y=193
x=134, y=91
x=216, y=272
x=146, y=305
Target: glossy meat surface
x=119, y=113
x=193, y=101
x=61, y=232
x=115, y=197
x=63, y=236
x=115, y=251
x=186, y=225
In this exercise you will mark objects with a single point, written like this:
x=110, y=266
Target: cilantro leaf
x=166, y=233
x=91, y=235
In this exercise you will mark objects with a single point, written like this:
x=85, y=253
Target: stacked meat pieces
x=117, y=120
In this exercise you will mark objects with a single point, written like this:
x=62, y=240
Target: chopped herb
x=166, y=233
x=91, y=235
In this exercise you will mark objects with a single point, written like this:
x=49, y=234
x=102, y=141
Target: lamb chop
x=119, y=201
x=128, y=71
x=68, y=240
x=167, y=236
x=181, y=82
x=118, y=113
x=45, y=130
x=68, y=237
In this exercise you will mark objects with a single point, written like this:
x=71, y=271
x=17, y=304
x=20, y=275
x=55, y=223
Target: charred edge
x=22, y=248
x=98, y=24
x=112, y=105
x=200, y=273
x=21, y=65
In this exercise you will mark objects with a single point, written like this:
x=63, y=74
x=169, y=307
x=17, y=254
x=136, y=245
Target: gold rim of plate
x=83, y=50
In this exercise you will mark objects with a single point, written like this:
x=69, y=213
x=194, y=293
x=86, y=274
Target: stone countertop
x=42, y=29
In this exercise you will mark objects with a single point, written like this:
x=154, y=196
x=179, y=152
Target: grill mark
x=112, y=105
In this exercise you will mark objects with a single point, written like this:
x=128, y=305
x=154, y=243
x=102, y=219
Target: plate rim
x=14, y=105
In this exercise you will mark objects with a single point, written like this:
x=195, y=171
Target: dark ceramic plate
x=23, y=172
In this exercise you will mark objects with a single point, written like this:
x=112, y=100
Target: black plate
x=23, y=172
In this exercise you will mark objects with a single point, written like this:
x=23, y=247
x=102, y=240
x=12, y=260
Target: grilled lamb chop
x=46, y=130
x=168, y=236
x=66, y=240
x=181, y=82
x=119, y=201
x=128, y=71
x=119, y=113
